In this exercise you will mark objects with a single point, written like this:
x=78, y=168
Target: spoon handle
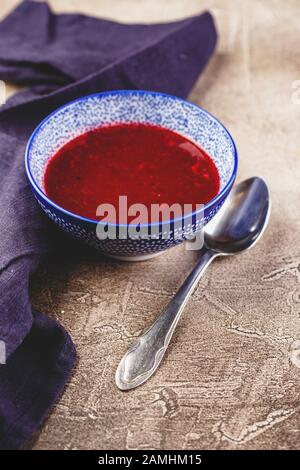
x=145, y=355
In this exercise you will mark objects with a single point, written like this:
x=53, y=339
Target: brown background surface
x=231, y=377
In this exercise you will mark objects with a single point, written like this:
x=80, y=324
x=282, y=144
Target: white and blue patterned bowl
x=90, y=112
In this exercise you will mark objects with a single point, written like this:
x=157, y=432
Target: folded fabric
x=62, y=57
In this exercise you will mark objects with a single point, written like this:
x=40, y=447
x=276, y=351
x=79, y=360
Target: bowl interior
x=101, y=109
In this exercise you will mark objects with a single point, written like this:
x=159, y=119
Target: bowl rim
x=71, y=214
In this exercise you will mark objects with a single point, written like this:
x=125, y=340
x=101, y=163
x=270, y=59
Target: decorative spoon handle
x=145, y=355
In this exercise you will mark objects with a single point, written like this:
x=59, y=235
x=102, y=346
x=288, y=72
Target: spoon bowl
x=241, y=221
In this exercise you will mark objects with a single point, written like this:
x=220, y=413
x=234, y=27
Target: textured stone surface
x=231, y=376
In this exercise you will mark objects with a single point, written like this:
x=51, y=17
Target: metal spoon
x=235, y=228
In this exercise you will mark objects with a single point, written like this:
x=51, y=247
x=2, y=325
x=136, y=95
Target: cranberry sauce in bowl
x=147, y=163
x=151, y=147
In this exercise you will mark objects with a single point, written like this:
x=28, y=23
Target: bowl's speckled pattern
x=100, y=109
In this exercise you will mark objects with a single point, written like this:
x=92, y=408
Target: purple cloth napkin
x=62, y=57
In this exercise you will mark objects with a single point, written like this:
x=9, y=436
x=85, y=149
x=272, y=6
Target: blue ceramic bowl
x=127, y=106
